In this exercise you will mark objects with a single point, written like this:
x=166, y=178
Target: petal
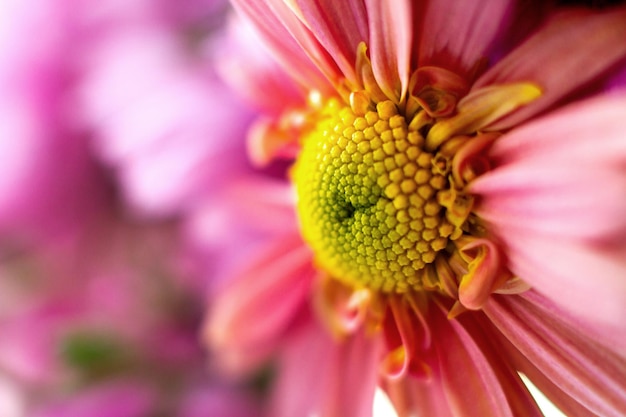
x=390, y=44
x=573, y=48
x=291, y=41
x=484, y=275
x=251, y=70
x=457, y=35
x=563, y=175
x=480, y=108
x=319, y=376
x=475, y=379
x=572, y=275
x=339, y=26
x=591, y=374
x=412, y=396
x=247, y=318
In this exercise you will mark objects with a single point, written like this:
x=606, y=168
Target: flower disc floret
x=368, y=197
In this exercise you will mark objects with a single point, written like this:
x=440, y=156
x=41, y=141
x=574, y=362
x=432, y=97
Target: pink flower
x=459, y=173
x=47, y=182
x=162, y=118
x=107, y=327
x=98, y=314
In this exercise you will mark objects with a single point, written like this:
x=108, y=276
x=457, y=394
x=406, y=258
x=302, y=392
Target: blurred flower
x=114, y=125
x=163, y=120
x=459, y=172
x=46, y=186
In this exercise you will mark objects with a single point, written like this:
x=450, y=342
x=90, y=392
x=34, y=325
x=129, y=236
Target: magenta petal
x=456, y=35
x=588, y=372
x=391, y=30
x=323, y=377
x=573, y=49
x=249, y=316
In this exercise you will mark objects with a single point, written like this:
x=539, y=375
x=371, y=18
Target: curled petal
x=346, y=310
x=480, y=108
x=268, y=140
x=469, y=161
x=406, y=341
x=485, y=274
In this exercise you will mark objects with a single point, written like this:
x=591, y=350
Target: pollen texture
x=369, y=198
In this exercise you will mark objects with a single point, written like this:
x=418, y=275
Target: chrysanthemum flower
x=460, y=200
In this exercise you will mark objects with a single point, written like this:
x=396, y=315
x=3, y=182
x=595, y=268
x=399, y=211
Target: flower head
x=426, y=194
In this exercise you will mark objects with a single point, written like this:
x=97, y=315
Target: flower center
x=375, y=205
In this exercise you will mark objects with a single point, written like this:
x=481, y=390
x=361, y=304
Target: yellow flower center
x=371, y=197
x=382, y=184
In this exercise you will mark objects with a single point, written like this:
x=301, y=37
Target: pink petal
x=251, y=70
x=563, y=175
x=588, y=372
x=456, y=35
x=248, y=317
x=323, y=377
x=558, y=397
x=476, y=380
x=572, y=274
x=339, y=26
x=391, y=30
x=292, y=42
x=573, y=49
x=593, y=126
x=411, y=396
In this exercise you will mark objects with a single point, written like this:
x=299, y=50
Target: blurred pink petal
x=42, y=151
x=116, y=400
x=252, y=312
x=565, y=66
x=322, y=378
x=252, y=71
x=476, y=27
x=163, y=123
